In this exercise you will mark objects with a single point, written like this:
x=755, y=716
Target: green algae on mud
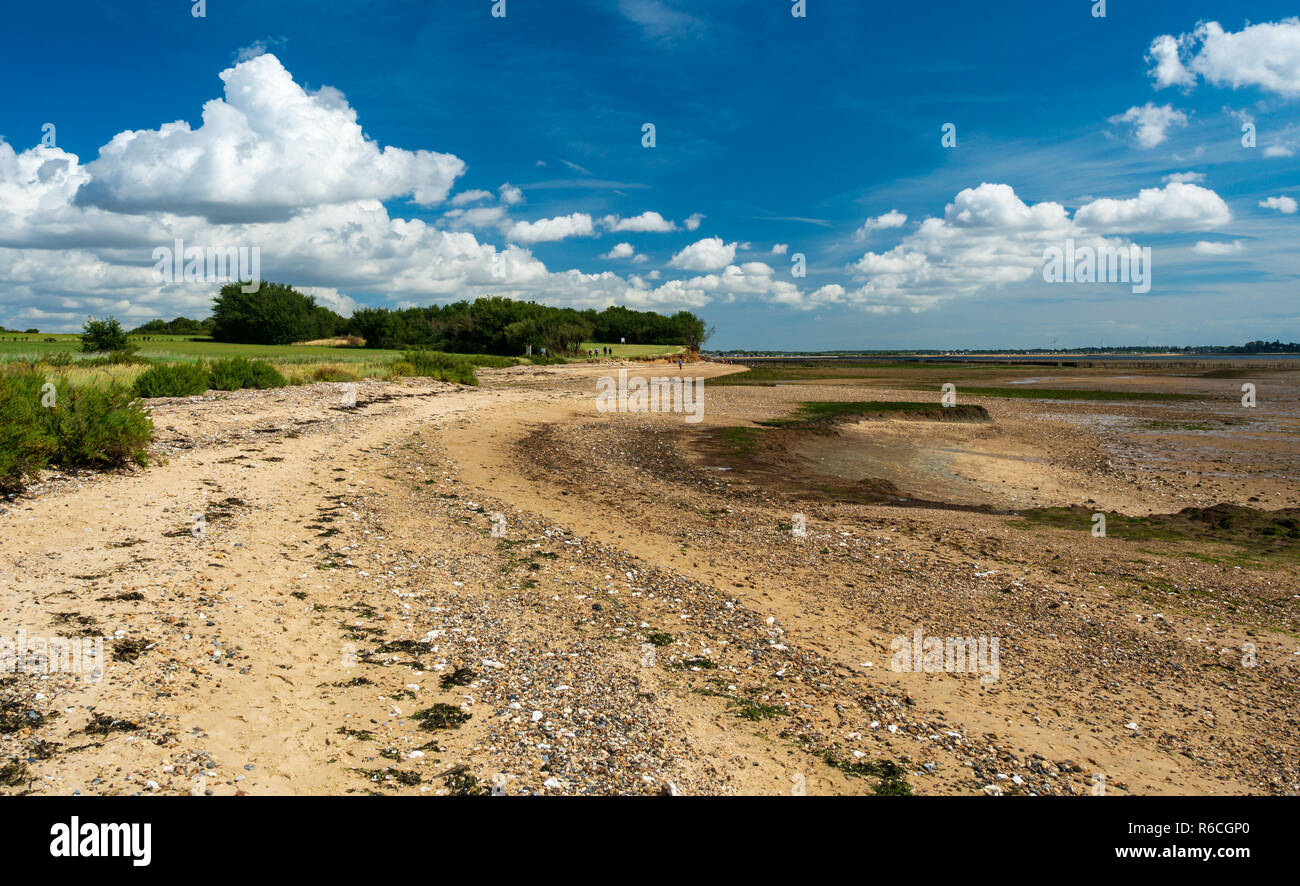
x=738, y=441
x=129, y=650
x=746, y=707
x=1260, y=535
x=893, y=778
x=461, y=676
x=1168, y=425
x=765, y=375
x=774, y=454
x=103, y=724
x=440, y=716
x=13, y=774
x=817, y=413
x=658, y=638
x=460, y=783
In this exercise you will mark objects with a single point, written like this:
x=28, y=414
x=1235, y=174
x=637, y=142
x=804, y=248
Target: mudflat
x=459, y=590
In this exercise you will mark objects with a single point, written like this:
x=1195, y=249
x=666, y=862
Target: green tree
x=503, y=326
x=103, y=335
x=692, y=330
x=276, y=314
x=178, y=326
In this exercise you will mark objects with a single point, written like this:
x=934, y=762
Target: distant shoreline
x=1163, y=356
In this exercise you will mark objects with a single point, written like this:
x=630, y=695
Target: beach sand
x=619, y=603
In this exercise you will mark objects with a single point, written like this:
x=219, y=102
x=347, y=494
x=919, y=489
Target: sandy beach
x=461, y=590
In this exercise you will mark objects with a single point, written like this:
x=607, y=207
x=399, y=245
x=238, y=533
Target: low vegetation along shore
x=58, y=409
x=74, y=400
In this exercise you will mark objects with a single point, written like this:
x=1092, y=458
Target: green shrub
x=117, y=358
x=400, y=369
x=99, y=427
x=57, y=358
x=236, y=373
x=26, y=439
x=489, y=360
x=172, y=380
x=444, y=367
x=72, y=427
x=546, y=359
x=332, y=373
x=103, y=335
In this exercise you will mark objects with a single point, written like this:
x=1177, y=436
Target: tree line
x=177, y=326
x=278, y=314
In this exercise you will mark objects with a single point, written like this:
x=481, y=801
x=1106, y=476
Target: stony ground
x=450, y=590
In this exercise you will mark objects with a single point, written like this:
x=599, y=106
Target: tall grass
x=172, y=374
x=309, y=373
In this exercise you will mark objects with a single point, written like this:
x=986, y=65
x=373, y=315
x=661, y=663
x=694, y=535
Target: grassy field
x=181, y=347
x=631, y=352
x=299, y=363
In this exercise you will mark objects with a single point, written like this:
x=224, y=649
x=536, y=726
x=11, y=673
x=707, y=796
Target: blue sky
x=407, y=153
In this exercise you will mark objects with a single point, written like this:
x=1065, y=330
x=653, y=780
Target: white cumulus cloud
x=1265, y=55
x=464, y=198
x=1283, y=204
x=64, y=255
x=1175, y=207
x=709, y=254
x=988, y=237
x=266, y=150
x=891, y=219
x=1151, y=122
x=646, y=222
x=547, y=230
x=478, y=217
x=1206, y=247
x=623, y=251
